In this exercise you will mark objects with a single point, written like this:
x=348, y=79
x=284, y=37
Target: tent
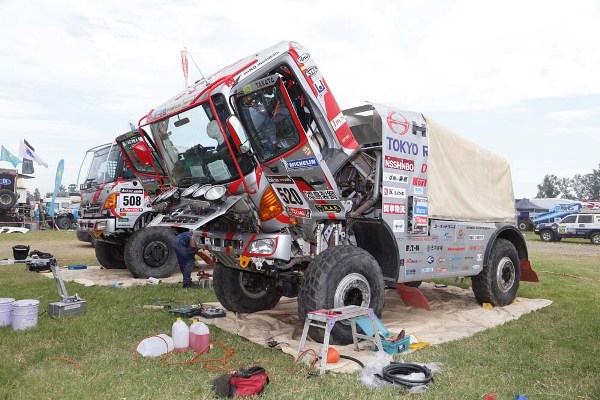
x=526, y=205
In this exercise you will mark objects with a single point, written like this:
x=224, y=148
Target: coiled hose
x=391, y=373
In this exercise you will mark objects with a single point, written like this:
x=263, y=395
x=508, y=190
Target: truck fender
x=512, y=234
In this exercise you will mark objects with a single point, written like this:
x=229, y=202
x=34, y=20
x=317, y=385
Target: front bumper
x=96, y=227
x=231, y=247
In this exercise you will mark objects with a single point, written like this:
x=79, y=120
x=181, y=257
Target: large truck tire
x=64, y=222
x=595, y=238
x=110, y=255
x=7, y=199
x=341, y=276
x=498, y=282
x=241, y=291
x=149, y=253
x=525, y=224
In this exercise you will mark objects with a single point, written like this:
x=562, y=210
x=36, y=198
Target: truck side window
x=585, y=219
x=569, y=220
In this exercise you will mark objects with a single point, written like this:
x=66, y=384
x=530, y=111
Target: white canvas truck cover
x=466, y=182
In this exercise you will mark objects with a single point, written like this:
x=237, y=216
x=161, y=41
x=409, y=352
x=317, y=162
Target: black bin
x=20, y=251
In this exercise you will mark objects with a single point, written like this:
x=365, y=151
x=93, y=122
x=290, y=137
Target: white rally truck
x=114, y=205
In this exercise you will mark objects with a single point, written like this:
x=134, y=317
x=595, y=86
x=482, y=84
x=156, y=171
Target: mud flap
x=412, y=296
x=527, y=273
x=206, y=258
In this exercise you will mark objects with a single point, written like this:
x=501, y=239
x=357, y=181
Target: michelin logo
x=303, y=163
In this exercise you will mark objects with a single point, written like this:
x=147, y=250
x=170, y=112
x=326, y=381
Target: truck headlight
x=263, y=247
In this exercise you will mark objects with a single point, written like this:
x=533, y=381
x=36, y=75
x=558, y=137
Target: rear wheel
x=341, y=276
x=64, y=223
x=595, y=238
x=149, y=253
x=241, y=291
x=7, y=199
x=547, y=235
x=110, y=255
x=524, y=225
x=498, y=282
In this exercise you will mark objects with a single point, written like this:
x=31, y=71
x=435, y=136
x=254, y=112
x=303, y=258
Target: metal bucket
x=6, y=305
x=24, y=314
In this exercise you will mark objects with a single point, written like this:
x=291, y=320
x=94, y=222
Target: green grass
x=549, y=354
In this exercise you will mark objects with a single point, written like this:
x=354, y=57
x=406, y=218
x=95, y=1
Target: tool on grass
x=69, y=305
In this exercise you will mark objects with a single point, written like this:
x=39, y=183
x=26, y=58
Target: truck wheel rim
x=248, y=287
x=596, y=239
x=505, y=274
x=156, y=253
x=546, y=236
x=5, y=199
x=353, y=289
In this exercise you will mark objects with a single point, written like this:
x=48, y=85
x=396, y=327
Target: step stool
x=326, y=319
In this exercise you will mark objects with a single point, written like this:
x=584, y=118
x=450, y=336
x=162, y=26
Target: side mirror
x=236, y=130
x=143, y=152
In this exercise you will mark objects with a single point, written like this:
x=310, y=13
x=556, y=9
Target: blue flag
x=57, y=181
x=6, y=155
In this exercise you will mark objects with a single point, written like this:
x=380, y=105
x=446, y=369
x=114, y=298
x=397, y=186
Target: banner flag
x=27, y=167
x=57, y=181
x=27, y=151
x=6, y=155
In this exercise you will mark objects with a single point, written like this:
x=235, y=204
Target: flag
x=6, y=155
x=27, y=151
x=57, y=181
x=27, y=167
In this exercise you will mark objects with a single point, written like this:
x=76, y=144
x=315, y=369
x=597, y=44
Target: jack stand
x=69, y=305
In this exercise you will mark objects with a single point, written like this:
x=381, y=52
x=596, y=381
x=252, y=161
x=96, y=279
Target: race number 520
x=290, y=195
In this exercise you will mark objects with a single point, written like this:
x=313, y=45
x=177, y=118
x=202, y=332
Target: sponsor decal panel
x=444, y=226
x=338, y=121
x=430, y=260
x=434, y=247
x=456, y=249
x=411, y=271
x=419, y=181
x=442, y=270
x=303, y=58
x=320, y=88
x=420, y=220
x=413, y=247
x=280, y=179
x=311, y=71
x=418, y=190
x=426, y=270
x=413, y=261
x=441, y=260
x=476, y=248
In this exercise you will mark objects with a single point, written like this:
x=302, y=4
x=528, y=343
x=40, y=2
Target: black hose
x=392, y=371
x=352, y=359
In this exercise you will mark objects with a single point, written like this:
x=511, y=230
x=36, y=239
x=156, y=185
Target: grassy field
x=549, y=354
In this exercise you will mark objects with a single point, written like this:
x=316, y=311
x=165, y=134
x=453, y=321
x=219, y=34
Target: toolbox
x=389, y=341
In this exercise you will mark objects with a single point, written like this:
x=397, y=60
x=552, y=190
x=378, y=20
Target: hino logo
x=397, y=125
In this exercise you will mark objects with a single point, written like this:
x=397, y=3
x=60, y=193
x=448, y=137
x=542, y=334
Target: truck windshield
x=193, y=148
x=103, y=167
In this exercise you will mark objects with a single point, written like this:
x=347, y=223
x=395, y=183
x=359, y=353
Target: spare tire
x=149, y=253
x=7, y=199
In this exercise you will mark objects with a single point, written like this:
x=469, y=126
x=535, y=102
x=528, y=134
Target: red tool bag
x=244, y=382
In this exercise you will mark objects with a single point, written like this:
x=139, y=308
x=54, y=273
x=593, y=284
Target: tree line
x=579, y=187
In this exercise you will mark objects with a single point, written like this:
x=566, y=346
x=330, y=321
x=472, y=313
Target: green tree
x=565, y=186
x=594, y=184
x=580, y=183
x=548, y=187
x=62, y=191
x=72, y=188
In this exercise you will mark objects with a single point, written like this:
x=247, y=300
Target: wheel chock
x=527, y=273
x=412, y=296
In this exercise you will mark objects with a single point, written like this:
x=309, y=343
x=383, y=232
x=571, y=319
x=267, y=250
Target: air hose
x=392, y=373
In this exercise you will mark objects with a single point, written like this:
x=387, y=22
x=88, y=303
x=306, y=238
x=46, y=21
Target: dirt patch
x=563, y=247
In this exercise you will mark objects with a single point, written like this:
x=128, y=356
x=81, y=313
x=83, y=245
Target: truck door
x=568, y=226
x=296, y=170
x=150, y=173
x=584, y=223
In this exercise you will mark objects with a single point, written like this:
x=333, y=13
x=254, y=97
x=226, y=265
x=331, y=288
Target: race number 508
x=129, y=201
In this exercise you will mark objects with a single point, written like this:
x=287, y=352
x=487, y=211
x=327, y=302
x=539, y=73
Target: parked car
x=580, y=225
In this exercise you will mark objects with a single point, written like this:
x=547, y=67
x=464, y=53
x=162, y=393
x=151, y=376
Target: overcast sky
x=520, y=78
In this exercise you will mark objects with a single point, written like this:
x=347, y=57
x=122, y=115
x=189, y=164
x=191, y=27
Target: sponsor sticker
x=397, y=123
x=412, y=247
x=434, y=247
x=311, y=71
x=338, y=121
x=476, y=248
x=420, y=220
x=391, y=177
x=476, y=237
x=391, y=208
x=476, y=266
x=298, y=212
x=280, y=179
x=442, y=270
x=411, y=271
x=401, y=164
x=456, y=249
x=320, y=195
x=418, y=190
x=426, y=270
x=479, y=257
x=302, y=163
x=328, y=208
x=430, y=260
x=303, y=58
x=320, y=88
x=398, y=225
x=419, y=181
x=398, y=193
x=441, y=260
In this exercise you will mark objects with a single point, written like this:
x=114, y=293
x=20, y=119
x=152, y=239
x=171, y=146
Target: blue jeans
x=185, y=255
